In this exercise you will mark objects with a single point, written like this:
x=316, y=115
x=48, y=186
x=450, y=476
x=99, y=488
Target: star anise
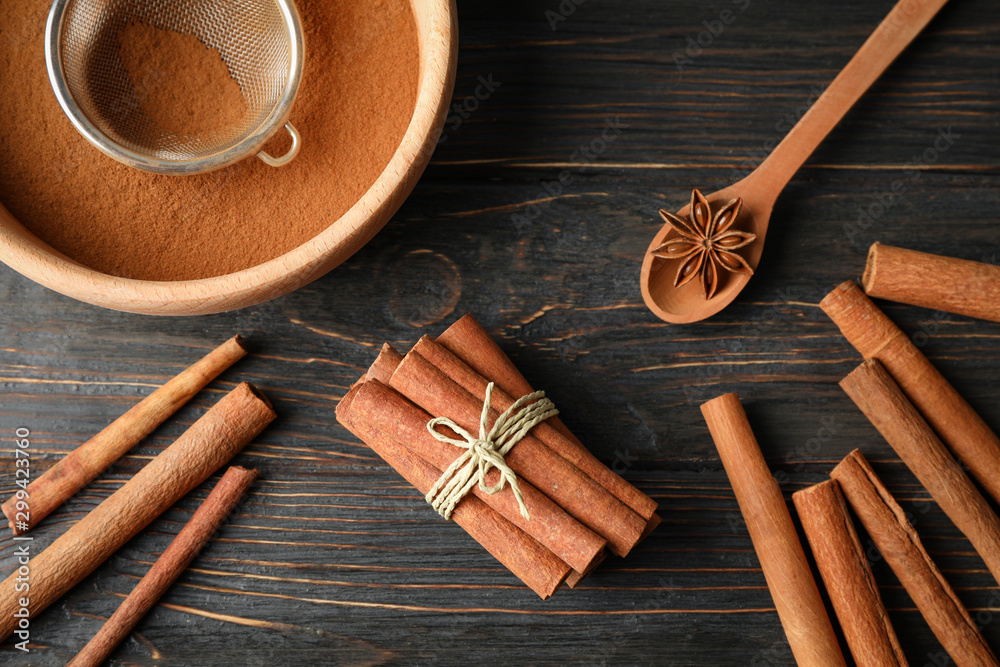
x=706, y=243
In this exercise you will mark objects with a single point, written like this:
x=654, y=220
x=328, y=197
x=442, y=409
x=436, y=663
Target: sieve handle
x=287, y=157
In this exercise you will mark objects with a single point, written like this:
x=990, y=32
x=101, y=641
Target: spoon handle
x=892, y=35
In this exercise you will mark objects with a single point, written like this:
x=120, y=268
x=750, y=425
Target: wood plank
x=336, y=561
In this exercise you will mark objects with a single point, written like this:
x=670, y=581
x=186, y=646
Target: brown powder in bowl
x=182, y=85
x=357, y=97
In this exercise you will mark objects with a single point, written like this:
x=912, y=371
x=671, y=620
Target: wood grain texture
x=334, y=559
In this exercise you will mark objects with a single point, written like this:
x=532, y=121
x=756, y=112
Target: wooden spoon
x=759, y=190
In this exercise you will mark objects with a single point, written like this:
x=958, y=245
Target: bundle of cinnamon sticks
x=545, y=507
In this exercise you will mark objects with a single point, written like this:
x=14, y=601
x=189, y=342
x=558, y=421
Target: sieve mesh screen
x=252, y=37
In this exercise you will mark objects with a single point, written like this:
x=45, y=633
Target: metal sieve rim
x=245, y=148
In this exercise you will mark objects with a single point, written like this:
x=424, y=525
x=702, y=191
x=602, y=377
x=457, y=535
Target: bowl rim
x=437, y=33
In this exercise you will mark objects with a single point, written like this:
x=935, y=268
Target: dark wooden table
x=336, y=561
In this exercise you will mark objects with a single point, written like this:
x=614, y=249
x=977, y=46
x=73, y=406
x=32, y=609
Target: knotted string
x=487, y=451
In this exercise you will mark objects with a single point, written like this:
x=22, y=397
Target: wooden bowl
x=438, y=42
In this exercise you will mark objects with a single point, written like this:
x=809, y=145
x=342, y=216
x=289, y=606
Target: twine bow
x=487, y=451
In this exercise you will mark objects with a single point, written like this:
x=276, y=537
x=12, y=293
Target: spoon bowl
x=685, y=304
x=666, y=289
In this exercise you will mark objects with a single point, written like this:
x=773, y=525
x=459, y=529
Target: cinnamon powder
x=182, y=86
x=357, y=97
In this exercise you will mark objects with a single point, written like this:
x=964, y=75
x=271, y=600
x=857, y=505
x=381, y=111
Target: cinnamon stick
x=86, y=462
x=406, y=424
x=953, y=285
x=573, y=490
x=468, y=341
x=557, y=441
x=209, y=443
x=383, y=366
x=574, y=578
x=876, y=337
x=528, y=560
x=654, y=521
x=899, y=543
x=848, y=578
x=885, y=405
x=168, y=567
x=789, y=578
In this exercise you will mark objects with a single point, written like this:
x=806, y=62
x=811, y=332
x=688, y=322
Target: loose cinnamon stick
x=895, y=538
x=573, y=490
x=568, y=448
x=793, y=589
x=86, y=462
x=168, y=567
x=211, y=441
x=468, y=341
x=932, y=281
x=876, y=337
x=406, y=424
x=885, y=405
x=849, y=581
x=528, y=560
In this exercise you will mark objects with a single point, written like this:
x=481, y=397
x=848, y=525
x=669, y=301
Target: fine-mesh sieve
x=260, y=42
